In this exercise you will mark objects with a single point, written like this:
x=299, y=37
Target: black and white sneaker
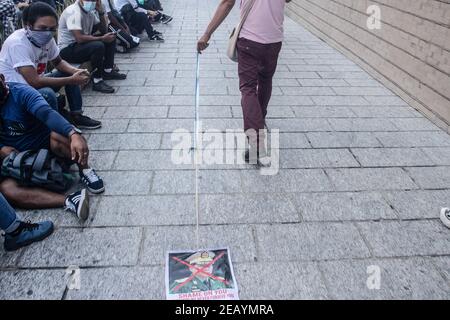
x=78, y=203
x=445, y=217
x=166, y=19
x=156, y=38
x=84, y=122
x=92, y=181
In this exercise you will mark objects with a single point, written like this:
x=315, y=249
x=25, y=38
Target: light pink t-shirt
x=264, y=24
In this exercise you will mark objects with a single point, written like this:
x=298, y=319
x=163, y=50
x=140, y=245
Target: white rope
x=196, y=150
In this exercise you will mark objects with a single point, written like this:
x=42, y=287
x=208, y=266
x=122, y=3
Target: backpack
x=37, y=169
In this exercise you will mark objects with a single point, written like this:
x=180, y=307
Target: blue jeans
x=73, y=94
x=8, y=217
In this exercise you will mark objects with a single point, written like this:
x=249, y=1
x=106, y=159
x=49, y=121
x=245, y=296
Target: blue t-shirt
x=26, y=113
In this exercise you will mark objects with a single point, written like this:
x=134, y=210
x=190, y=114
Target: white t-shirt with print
x=17, y=51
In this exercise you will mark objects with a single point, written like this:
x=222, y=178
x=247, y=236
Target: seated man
x=18, y=233
x=24, y=57
x=155, y=5
x=78, y=45
x=117, y=24
x=138, y=18
x=28, y=122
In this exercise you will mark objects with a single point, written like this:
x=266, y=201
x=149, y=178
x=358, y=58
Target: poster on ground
x=200, y=275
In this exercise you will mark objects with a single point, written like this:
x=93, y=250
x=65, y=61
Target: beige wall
x=410, y=53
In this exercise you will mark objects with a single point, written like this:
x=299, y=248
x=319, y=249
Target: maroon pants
x=257, y=65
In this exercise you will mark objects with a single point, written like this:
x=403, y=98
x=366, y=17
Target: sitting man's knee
x=98, y=46
x=50, y=96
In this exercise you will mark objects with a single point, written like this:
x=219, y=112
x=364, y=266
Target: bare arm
x=103, y=25
x=33, y=79
x=77, y=76
x=80, y=37
x=63, y=66
x=223, y=10
x=115, y=23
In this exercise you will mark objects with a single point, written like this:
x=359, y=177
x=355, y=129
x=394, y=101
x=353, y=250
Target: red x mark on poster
x=198, y=271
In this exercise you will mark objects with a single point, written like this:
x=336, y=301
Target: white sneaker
x=445, y=217
x=78, y=203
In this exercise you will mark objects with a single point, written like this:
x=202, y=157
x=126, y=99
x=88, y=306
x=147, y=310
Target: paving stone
x=144, y=211
x=399, y=279
x=414, y=139
x=111, y=100
x=204, y=111
x=159, y=240
x=124, y=141
x=342, y=139
x=323, y=112
x=415, y=124
x=443, y=265
x=339, y=101
x=391, y=157
x=343, y=75
x=32, y=284
x=149, y=160
x=370, y=179
x=313, y=158
x=183, y=182
x=363, y=82
x=307, y=91
x=67, y=247
x=439, y=156
x=102, y=160
x=7, y=259
x=159, y=125
x=288, y=180
x=124, y=283
x=288, y=101
x=362, y=91
x=265, y=281
x=406, y=238
x=127, y=182
x=299, y=125
x=322, y=82
x=430, y=178
x=418, y=204
x=112, y=126
x=205, y=90
x=247, y=208
x=94, y=112
x=136, y=112
x=383, y=112
x=139, y=91
x=385, y=101
x=343, y=206
x=309, y=241
x=363, y=124
x=294, y=140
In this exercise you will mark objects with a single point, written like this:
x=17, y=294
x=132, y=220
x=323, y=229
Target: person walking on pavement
x=258, y=48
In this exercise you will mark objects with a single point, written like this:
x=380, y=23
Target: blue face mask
x=39, y=38
x=89, y=6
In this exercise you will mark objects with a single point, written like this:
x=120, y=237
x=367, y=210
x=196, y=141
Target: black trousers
x=137, y=21
x=100, y=54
